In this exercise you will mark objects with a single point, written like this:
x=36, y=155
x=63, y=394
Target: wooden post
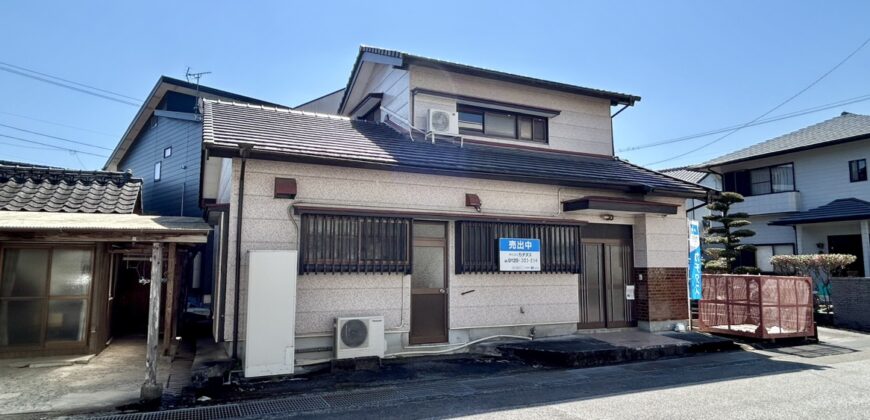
x=151, y=389
x=171, y=296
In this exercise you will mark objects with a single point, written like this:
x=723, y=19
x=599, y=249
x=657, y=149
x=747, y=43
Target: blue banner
x=694, y=260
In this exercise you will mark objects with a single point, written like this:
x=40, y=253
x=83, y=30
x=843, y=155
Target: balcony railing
x=782, y=202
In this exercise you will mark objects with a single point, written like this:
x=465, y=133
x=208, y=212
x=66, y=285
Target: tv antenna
x=195, y=76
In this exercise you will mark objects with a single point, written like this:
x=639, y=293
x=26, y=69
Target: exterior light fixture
x=607, y=216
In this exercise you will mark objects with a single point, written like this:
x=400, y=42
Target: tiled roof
x=836, y=129
x=615, y=97
x=837, y=210
x=685, y=174
x=300, y=136
x=40, y=188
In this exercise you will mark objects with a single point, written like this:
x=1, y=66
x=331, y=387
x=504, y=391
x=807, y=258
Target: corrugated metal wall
x=178, y=186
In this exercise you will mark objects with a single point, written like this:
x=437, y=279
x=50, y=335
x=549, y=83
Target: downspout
x=244, y=152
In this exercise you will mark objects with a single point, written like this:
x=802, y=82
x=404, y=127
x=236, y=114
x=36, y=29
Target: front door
x=848, y=244
x=429, y=283
x=605, y=275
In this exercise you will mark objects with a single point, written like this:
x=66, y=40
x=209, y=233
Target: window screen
x=338, y=244
x=477, y=245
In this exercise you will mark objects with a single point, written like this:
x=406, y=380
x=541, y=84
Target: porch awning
x=838, y=210
x=102, y=227
x=618, y=204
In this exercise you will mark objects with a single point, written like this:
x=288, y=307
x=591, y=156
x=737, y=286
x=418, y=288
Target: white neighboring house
x=806, y=191
x=696, y=208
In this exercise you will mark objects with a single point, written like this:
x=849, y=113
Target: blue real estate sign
x=519, y=254
x=694, y=260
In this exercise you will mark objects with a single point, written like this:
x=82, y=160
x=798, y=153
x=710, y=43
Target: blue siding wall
x=177, y=191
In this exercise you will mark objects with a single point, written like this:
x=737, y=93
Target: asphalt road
x=828, y=380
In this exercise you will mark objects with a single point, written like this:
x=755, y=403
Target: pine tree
x=726, y=235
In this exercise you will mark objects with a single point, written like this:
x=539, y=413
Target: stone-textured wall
x=662, y=294
x=850, y=297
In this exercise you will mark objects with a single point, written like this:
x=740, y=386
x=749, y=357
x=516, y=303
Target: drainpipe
x=244, y=152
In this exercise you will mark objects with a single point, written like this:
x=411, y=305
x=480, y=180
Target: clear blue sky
x=698, y=65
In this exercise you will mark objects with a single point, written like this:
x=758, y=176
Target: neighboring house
x=163, y=146
x=326, y=104
x=696, y=209
x=807, y=191
x=391, y=220
x=70, y=245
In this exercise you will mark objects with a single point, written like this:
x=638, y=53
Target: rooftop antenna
x=195, y=76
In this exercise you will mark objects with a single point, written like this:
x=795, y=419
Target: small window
x=858, y=170
x=157, y=170
x=167, y=152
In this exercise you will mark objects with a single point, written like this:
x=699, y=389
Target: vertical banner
x=694, y=260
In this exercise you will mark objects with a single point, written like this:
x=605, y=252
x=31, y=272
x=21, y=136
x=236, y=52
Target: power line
x=54, y=137
x=781, y=117
x=780, y=105
x=85, y=91
x=69, y=81
x=52, y=146
x=59, y=124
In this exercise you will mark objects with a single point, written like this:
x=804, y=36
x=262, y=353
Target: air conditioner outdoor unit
x=359, y=337
x=443, y=122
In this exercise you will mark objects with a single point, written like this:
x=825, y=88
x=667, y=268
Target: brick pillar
x=660, y=258
x=661, y=297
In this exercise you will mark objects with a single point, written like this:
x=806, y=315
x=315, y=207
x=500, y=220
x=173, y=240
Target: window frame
x=517, y=117
x=158, y=171
x=855, y=176
x=46, y=298
x=733, y=178
x=167, y=152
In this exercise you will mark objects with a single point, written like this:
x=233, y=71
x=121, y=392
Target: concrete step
x=587, y=350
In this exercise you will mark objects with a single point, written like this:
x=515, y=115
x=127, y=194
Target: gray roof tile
x=300, y=136
x=837, y=210
x=685, y=174
x=845, y=126
x=46, y=189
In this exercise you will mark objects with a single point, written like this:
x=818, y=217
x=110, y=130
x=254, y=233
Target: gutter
x=243, y=153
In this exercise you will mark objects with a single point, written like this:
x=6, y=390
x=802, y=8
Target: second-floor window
x=760, y=181
x=501, y=124
x=858, y=170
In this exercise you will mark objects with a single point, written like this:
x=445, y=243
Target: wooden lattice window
x=477, y=245
x=345, y=244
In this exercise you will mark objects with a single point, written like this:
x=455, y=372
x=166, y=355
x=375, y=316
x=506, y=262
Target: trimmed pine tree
x=725, y=236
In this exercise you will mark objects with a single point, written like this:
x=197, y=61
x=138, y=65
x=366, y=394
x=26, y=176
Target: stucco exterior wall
x=269, y=223
x=583, y=125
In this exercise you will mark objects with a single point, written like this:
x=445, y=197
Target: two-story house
x=397, y=205
x=806, y=191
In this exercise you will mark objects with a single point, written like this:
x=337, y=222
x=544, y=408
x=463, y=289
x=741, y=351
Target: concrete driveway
x=110, y=379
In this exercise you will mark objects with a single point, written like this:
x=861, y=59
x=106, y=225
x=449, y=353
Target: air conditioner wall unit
x=359, y=337
x=443, y=122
